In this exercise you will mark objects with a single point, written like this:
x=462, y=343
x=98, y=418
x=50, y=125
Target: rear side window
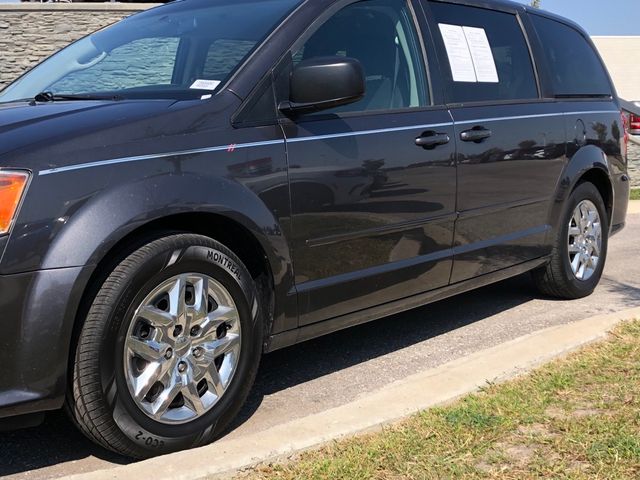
x=575, y=69
x=486, y=53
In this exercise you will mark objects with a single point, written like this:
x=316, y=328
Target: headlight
x=12, y=187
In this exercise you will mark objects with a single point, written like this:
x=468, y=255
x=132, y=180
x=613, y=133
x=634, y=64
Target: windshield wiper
x=45, y=97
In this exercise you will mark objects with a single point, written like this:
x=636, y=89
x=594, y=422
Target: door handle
x=476, y=134
x=429, y=140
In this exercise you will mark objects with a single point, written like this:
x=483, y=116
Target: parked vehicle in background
x=211, y=180
x=632, y=112
x=634, y=127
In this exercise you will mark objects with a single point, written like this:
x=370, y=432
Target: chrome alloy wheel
x=182, y=348
x=585, y=240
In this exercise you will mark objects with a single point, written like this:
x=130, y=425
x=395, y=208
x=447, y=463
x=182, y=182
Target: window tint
x=128, y=66
x=508, y=47
x=180, y=50
x=382, y=36
x=223, y=56
x=575, y=69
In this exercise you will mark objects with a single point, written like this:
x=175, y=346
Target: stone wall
x=30, y=32
x=634, y=164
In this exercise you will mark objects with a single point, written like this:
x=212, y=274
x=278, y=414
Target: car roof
x=497, y=4
x=511, y=5
x=489, y=3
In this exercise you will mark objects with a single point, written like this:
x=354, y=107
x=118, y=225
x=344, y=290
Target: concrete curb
x=392, y=403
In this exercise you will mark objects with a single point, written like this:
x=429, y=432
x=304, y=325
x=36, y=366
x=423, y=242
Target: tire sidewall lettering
x=133, y=423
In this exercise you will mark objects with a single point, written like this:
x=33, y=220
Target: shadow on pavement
x=630, y=292
x=57, y=441
x=313, y=359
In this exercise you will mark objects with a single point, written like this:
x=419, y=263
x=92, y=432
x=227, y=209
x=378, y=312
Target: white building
x=622, y=56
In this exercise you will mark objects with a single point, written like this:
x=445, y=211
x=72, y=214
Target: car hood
x=19, y=114
x=23, y=125
x=50, y=135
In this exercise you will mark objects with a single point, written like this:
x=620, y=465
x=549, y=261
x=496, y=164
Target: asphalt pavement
x=342, y=367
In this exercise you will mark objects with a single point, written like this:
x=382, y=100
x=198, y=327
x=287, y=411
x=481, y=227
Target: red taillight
x=634, y=122
x=624, y=145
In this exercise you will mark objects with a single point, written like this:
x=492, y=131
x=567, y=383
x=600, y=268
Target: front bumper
x=37, y=313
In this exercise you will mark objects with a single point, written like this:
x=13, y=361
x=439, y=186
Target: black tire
x=556, y=279
x=100, y=401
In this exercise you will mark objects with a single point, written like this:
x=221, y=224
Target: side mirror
x=320, y=83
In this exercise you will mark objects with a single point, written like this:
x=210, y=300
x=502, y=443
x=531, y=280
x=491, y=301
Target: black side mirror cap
x=320, y=83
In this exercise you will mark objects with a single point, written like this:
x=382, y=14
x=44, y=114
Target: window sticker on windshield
x=458, y=52
x=205, y=84
x=483, y=61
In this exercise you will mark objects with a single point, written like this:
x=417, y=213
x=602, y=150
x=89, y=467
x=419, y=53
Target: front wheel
x=580, y=247
x=169, y=349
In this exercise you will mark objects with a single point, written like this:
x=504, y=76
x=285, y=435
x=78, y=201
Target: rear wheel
x=580, y=247
x=169, y=349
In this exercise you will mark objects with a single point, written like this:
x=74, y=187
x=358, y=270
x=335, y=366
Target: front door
x=511, y=143
x=373, y=209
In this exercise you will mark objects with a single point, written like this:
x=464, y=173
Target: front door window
x=381, y=35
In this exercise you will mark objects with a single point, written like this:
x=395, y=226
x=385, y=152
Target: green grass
x=635, y=194
x=576, y=418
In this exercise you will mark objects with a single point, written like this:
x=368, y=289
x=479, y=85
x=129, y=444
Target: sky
x=598, y=17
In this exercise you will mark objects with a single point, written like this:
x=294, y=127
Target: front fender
x=39, y=307
x=90, y=233
x=58, y=229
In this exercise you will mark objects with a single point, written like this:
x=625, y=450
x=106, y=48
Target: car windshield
x=182, y=50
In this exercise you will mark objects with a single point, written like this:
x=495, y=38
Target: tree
x=535, y=3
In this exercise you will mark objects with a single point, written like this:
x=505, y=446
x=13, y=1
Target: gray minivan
x=211, y=180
